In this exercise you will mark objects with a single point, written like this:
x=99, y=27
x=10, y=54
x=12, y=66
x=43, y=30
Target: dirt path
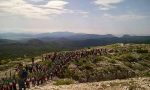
x=128, y=84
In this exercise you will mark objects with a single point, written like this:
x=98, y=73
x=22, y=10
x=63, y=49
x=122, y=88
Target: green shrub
x=147, y=74
x=112, y=61
x=64, y=82
x=145, y=56
x=4, y=61
x=129, y=57
x=141, y=51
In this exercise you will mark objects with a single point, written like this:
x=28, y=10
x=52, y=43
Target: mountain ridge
x=56, y=35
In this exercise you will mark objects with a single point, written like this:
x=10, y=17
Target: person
x=33, y=79
x=14, y=83
x=28, y=79
x=33, y=61
x=22, y=76
x=1, y=84
x=5, y=84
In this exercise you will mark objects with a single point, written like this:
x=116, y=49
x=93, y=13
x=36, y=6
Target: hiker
x=22, y=76
x=37, y=76
x=33, y=61
x=28, y=82
x=14, y=83
x=33, y=80
x=10, y=83
x=5, y=84
x=1, y=84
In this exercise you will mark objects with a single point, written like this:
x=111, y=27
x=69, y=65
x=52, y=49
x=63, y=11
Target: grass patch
x=64, y=82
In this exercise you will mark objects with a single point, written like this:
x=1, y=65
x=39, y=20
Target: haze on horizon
x=80, y=16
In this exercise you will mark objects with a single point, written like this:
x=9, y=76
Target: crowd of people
x=37, y=74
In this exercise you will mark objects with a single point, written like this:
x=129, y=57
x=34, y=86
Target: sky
x=81, y=16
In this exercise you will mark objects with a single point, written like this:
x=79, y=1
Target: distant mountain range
x=14, y=45
x=51, y=36
x=70, y=37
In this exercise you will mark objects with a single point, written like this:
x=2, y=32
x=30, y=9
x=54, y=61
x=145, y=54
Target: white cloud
x=123, y=17
x=21, y=7
x=37, y=0
x=107, y=4
x=56, y=4
x=79, y=12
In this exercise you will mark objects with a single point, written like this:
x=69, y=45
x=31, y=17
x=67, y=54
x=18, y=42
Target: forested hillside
x=11, y=49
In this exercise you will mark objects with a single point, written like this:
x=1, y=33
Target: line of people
x=60, y=60
x=24, y=76
x=37, y=74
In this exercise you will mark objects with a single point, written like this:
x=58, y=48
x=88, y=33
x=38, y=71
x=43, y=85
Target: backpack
x=23, y=74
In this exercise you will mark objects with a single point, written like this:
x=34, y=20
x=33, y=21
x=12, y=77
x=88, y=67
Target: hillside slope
x=127, y=84
x=120, y=63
